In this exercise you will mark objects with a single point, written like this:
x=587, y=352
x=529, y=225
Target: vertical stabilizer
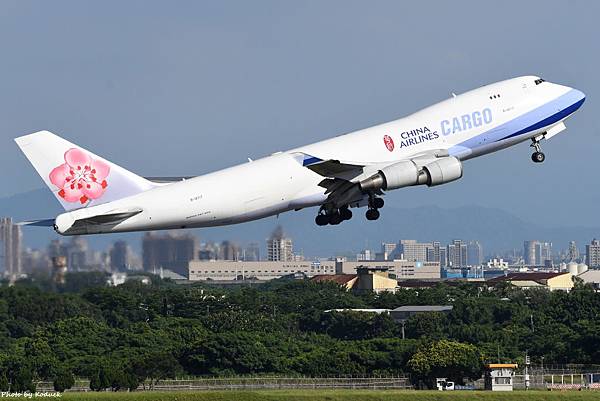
x=78, y=178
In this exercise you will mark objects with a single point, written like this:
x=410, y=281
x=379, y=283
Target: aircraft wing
x=333, y=168
x=338, y=178
x=342, y=180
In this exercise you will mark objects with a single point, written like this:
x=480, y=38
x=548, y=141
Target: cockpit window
x=539, y=81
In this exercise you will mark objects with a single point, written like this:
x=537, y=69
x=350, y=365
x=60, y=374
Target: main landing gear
x=537, y=156
x=333, y=216
x=374, y=204
x=330, y=215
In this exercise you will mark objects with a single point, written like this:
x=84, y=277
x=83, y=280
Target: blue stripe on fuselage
x=550, y=120
x=310, y=160
x=533, y=120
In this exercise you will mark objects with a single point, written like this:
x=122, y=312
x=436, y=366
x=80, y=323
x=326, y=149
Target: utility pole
x=498, y=353
x=527, y=361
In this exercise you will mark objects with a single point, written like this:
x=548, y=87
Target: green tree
x=237, y=352
x=23, y=380
x=154, y=366
x=429, y=324
x=453, y=360
x=95, y=382
x=4, y=385
x=63, y=380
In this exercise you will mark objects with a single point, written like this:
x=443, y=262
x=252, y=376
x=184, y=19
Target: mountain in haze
x=496, y=229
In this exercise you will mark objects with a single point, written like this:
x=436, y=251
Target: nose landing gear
x=538, y=156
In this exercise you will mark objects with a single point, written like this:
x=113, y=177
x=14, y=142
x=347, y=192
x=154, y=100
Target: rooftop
x=536, y=276
x=336, y=278
x=424, y=308
x=501, y=365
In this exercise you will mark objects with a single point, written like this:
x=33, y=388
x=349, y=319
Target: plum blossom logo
x=80, y=178
x=389, y=142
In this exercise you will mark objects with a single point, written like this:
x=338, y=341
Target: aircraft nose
x=579, y=95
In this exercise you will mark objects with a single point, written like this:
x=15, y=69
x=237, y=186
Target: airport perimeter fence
x=559, y=381
x=258, y=383
x=540, y=380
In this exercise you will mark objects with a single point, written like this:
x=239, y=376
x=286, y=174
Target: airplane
x=349, y=171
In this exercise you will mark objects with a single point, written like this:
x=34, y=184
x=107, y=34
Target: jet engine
x=407, y=173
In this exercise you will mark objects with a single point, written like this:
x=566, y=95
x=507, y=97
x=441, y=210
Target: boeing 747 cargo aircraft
x=337, y=175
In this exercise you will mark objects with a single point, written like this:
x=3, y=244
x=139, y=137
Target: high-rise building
x=365, y=255
x=168, y=251
x=544, y=253
x=443, y=256
x=10, y=250
x=413, y=251
x=251, y=253
x=529, y=252
x=537, y=253
x=592, y=254
x=474, y=253
x=229, y=251
x=387, y=250
x=437, y=253
x=279, y=248
x=77, y=254
x=120, y=256
x=56, y=248
x=457, y=254
x=573, y=253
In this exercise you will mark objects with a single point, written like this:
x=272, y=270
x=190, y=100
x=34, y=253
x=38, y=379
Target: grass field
x=336, y=395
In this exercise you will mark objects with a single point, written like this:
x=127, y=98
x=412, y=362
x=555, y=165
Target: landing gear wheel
x=346, y=213
x=378, y=203
x=335, y=219
x=322, y=220
x=538, y=157
x=372, y=214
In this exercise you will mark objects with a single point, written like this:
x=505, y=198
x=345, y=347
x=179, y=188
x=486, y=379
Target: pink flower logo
x=80, y=178
x=389, y=142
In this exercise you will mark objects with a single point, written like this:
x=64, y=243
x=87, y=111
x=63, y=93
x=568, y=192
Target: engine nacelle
x=406, y=173
x=443, y=170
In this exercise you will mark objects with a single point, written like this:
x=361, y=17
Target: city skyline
x=174, y=249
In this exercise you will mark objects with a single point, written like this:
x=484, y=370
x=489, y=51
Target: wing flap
x=333, y=168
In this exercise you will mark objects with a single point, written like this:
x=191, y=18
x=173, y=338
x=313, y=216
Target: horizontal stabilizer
x=166, y=180
x=37, y=223
x=108, y=218
x=66, y=223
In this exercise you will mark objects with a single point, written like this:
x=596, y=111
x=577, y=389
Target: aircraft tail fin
x=78, y=178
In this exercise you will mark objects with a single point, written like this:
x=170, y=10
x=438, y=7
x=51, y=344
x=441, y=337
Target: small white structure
x=443, y=384
x=497, y=264
x=499, y=376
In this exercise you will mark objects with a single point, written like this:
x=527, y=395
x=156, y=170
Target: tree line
x=121, y=337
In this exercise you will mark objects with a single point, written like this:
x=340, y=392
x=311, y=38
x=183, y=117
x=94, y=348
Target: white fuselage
x=468, y=125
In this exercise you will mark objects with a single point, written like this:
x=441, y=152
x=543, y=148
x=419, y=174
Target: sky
x=185, y=88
